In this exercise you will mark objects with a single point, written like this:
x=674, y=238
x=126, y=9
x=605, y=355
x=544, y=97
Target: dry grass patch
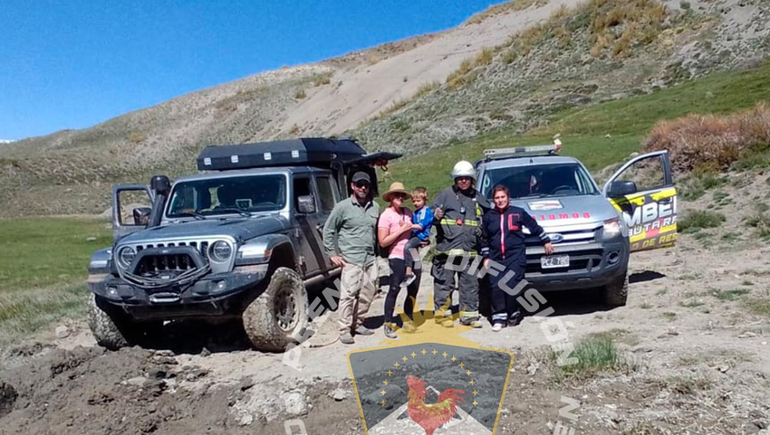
x=728, y=295
x=710, y=140
x=504, y=8
x=322, y=79
x=760, y=306
x=620, y=25
x=426, y=89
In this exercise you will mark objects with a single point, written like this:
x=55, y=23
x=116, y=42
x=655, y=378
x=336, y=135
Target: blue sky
x=73, y=64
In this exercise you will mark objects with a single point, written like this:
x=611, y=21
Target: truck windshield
x=216, y=196
x=539, y=181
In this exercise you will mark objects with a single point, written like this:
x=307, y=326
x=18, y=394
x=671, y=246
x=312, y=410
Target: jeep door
x=139, y=199
x=328, y=197
x=642, y=190
x=306, y=214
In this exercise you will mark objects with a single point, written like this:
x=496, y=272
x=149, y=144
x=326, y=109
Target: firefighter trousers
x=443, y=284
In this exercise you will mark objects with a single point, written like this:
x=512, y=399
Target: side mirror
x=619, y=189
x=306, y=204
x=142, y=215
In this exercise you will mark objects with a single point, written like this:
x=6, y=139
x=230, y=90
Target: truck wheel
x=616, y=292
x=107, y=324
x=279, y=314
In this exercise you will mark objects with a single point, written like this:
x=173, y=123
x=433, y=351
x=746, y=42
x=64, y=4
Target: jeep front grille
x=152, y=265
x=201, y=246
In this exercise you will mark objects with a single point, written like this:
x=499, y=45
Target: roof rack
x=302, y=151
x=546, y=150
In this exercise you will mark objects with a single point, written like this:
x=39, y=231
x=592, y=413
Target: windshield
x=244, y=194
x=539, y=181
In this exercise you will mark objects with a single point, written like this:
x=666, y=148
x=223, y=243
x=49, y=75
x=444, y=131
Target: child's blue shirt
x=423, y=217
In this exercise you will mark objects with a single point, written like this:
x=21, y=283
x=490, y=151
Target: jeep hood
x=241, y=229
x=568, y=210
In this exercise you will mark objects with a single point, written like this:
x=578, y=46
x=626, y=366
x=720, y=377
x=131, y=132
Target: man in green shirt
x=349, y=239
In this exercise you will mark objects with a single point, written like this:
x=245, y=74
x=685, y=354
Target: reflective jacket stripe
x=470, y=223
x=502, y=234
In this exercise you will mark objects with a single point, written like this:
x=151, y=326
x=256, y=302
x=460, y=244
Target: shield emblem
x=427, y=386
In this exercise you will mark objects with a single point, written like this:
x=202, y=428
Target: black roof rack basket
x=322, y=152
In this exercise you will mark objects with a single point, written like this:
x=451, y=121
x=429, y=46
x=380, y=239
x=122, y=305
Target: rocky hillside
x=507, y=68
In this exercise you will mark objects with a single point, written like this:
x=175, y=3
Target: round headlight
x=220, y=251
x=126, y=255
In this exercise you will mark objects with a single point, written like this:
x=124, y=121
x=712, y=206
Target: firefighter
x=457, y=212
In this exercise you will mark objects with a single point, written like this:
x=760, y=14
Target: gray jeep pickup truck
x=593, y=230
x=240, y=240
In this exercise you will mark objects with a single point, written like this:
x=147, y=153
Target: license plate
x=554, y=261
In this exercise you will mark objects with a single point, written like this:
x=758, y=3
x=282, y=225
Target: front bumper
x=212, y=295
x=591, y=265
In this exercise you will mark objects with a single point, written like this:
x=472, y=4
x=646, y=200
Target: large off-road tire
x=113, y=329
x=107, y=324
x=615, y=293
x=278, y=316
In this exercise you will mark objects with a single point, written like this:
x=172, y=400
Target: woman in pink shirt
x=393, y=231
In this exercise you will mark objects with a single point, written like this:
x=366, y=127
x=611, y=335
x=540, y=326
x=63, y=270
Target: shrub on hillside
x=711, y=140
x=701, y=219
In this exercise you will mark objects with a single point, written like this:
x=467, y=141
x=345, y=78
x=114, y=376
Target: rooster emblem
x=431, y=416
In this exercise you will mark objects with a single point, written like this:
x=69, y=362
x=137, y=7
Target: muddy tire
x=616, y=293
x=279, y=314
x=107, y=324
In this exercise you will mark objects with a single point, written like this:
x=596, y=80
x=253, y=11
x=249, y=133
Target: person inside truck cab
x=226, y=197
x=183, y=201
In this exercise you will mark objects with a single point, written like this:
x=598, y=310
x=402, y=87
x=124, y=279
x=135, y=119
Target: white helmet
x=463, y=169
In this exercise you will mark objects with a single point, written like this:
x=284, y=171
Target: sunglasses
x=362, y=184
x=464, y=179
x=399, y=195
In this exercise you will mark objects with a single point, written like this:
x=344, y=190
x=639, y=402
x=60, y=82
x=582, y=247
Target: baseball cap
x=361, y=176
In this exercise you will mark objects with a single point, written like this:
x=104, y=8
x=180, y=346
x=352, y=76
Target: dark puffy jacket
x=459, y=230
x=503, y=237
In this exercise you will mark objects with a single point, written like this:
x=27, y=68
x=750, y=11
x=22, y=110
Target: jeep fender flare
x=275, y=249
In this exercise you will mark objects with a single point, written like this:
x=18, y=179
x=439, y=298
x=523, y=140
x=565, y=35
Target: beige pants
x=358, y=286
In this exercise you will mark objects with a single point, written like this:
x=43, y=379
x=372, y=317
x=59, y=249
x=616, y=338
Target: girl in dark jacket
x=503, y=242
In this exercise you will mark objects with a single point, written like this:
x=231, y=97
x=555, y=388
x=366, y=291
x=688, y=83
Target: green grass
x=43, y=268
x=700, y=219
x=25, y=312
x=728, y=295
x=668, y=315
x=583, y=129
x=595, y=353
x=759, y=306
x=44, y=252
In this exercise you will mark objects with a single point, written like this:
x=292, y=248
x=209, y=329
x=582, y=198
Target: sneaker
x=363, y=330
x=515, y=319
x=408, y=280
x=446, y=322
x=497, y=327
x=347, y=338
x=409, y=327
x=475, y=323
x=390, y=333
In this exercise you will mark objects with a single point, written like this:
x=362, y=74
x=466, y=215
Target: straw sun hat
x=395, y=188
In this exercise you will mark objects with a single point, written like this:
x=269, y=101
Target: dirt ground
x=696, y=363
